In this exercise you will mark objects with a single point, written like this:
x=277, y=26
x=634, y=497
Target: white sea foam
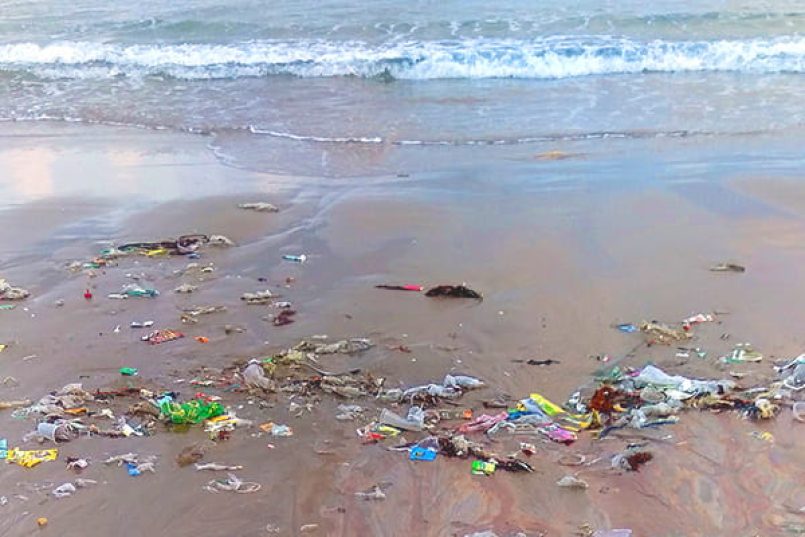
x=557, y=57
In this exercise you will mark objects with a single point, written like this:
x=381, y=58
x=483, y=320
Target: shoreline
x=557, y=270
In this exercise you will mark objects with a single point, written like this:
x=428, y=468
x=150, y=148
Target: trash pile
x=637, y=399
x=186, y=245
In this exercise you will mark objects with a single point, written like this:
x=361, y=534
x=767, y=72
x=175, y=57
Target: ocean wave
x=545, y=58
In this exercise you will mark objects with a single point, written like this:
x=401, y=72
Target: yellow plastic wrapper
x=31, y=458
x=574, y=422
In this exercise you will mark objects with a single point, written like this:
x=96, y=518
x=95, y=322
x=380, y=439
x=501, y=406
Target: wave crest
x=547, y=58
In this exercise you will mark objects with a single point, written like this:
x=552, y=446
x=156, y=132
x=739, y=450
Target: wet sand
x=557, y=267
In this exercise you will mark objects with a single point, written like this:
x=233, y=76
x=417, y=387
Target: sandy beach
x=559, y=264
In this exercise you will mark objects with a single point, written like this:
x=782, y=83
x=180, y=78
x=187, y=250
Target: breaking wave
x=545, y=58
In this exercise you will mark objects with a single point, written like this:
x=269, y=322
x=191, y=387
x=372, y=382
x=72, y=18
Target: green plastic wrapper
x=194, y=411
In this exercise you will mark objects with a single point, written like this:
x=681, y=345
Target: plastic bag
x=255, y=377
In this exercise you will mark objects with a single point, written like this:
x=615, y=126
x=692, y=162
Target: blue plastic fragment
x=422, y=454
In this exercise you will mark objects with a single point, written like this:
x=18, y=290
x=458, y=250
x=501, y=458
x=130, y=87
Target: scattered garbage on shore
x=423, y=423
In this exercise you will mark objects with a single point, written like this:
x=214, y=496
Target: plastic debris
x=683, y=387
x=373, y=493
x=76, y=464
x=258, y=297
x=295, y=258
x=232, y=484
x=453, y=291
x=141, y=324
x=345, y=346
x=631, y=460
x=41, y=522
x=276, y=429
x=415, y=420
x=255, y=377
x=185, y=288
x=221, y=240
x=743, y=352
x=764, y=435
x=55, y=432
x=798, y=408
x=612, y=533
x=627, y=327
x=191, y=315
x=202, y=339
x=162, y=336
x=284, y=317
x=30, y=458
x=120, y=460
x=548, y=361
x=572, y=482
x=661, y=333
x=62, y=491
x=9, y=292
x=727, y=267
x=135, y=291
x=483, y=468
x=215, y=467
x=14, y=404
x=193, y=411
x=348, y=412
x=260, y=207
x=419, y=453
x=129, y=371
x=406, y=287
x=698, y=319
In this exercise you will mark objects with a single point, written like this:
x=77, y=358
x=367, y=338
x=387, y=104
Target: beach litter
x=406, y=287
x=134, y=290
x=9, y=292
x=14, y=404
x=742, y=353
x=191, y=315
x=186, y=288
x=232, y=484
x=284, y=317
x=727, y=267
x=258, y=297
x=373, y=493
x=656, y=332
x=31, y=458
x=162, y=336
x=216, y=467
x=798, y=409
x=259, y=206
x=572, y=482
x=453, y=291
x=192, y=411
x=549, y=361
x=67, y=489
x=295, y=258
